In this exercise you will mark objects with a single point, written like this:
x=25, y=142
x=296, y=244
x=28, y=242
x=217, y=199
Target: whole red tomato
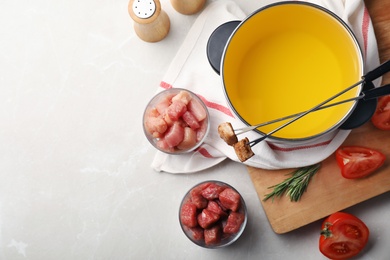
x=357, y=162
x=343, y=236
x=381, y=117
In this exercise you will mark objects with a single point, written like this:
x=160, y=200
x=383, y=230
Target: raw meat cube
x=189, y=139
x=197, y=198
x=174, y=135
x=230, y=199
x=183, y=96
x=155, y=124
x=204, y=185
x=197, y=110
x=212, y=191
x=214, y=207
x=222, y=206
x=212, y=235
x=158, y=135
x=191, y=121
x=188, y=215
x=163, y=105
x=197, y=233
x=207, y=218
x=168, y=120
x=161, y=144
x=176, y=110
x=234, y=222
x=201, y=130
x=153, y=112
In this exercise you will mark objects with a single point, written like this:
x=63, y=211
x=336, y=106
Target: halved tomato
x=357, y=162
x=381, y=117
x=343, y=236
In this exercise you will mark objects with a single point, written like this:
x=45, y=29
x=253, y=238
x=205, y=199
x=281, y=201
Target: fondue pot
x=286, y=58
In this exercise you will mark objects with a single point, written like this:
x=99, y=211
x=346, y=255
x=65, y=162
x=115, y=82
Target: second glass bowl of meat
x=176, y=121
x=213, y=214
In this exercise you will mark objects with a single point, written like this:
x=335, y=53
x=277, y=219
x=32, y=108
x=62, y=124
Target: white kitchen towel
x=191, y=70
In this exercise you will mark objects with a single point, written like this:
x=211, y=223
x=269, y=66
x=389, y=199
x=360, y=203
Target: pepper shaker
x=188, y=6
x=151, y=23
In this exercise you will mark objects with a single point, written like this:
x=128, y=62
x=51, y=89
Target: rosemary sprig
x=294, y=186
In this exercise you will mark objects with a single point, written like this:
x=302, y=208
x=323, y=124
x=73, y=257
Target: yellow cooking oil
x=290, y=68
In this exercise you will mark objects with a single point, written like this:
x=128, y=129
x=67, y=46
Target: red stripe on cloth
x=290, y=149
x=216, y=106
x=204, y=152
x=365, y=28
x=209, y=104
x=165, y=85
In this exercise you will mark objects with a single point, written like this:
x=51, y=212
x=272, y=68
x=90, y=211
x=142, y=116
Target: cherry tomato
x=343, y=236
x=357, y=162
x=381, y=117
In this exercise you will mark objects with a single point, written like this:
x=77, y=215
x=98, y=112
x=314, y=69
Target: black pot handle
x=217, y=42
x=377, y=92
x=378, y=72
x=363, y=111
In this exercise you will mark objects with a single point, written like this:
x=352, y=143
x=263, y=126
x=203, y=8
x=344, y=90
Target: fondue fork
x=365, y=95
x=369, y=77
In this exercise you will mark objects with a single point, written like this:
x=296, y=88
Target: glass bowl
x=176, y=121
x=213, y=214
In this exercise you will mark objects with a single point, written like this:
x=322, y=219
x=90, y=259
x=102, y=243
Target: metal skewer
x=370, y=76
x=254, y=142
x=250, y=128
x=385, y=90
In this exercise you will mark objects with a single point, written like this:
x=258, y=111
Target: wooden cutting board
x=328, y=191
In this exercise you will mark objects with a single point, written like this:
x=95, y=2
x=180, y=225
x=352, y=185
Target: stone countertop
x=76, y=181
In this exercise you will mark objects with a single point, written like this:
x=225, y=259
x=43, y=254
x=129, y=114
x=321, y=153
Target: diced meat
x=222, y=206
x=197, y=233
x=183, y=96
x=243, y=150
x=163, y=105
x=189, y=139
x=212, y=191
x=234, y=222
x=197, y=198
x=181, y=122
x=176, y=110
x=201, y=131
x=161, y=144
x=174, y=135
x=226, y=132
x=155, y=124
x=188, y=215
x=153, y=112
x=216, y=208
x=212, y=236
x=217, y=218
x=168, y=120
x=207, y=218
x=197, y=110
x=230, y=199
x=190, y=119
x=157, y=135
x=204, y=185
x=163, y=120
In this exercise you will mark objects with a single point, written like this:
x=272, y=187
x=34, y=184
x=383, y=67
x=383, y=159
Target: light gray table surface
x=76, y=181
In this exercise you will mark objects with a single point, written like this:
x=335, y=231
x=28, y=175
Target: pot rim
x=359, y=59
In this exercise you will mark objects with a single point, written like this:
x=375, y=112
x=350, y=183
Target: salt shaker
x=151, y=23
x=188, y=6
